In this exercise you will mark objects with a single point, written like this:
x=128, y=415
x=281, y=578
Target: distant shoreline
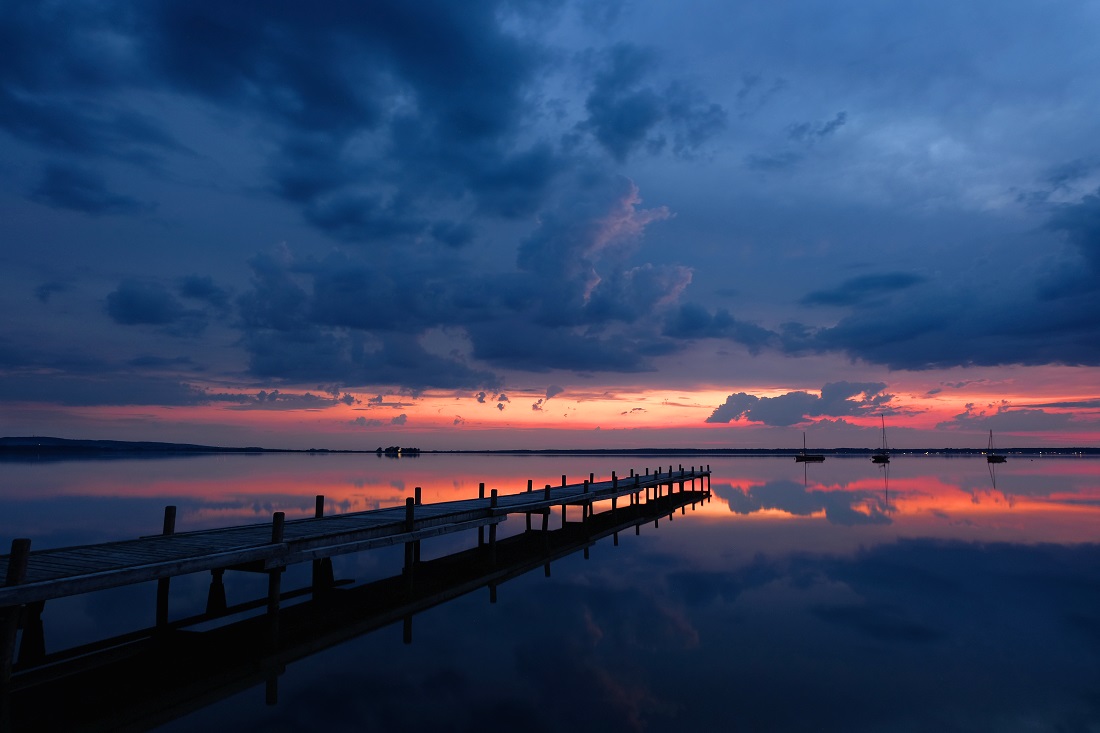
x=28, y=447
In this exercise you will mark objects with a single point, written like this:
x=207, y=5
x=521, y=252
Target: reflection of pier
x=138, y=683
x=32, y=578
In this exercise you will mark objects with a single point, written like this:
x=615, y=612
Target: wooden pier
x=123, y=684
x=34, y=577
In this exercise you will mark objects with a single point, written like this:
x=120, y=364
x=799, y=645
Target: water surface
x=835, y=596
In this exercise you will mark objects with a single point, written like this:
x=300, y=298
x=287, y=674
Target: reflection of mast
x=886, y=487
x=993, y=474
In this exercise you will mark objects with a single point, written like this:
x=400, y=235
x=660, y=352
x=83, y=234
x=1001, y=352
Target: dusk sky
x=525, y=224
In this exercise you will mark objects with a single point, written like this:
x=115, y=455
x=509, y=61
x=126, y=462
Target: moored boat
x=805, y=457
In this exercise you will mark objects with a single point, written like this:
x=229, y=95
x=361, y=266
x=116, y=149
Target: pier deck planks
x=66, y=571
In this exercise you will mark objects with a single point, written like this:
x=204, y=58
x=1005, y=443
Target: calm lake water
x=833, y=596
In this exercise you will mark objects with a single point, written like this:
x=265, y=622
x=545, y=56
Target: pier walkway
x=34, y=577
x=138, y=685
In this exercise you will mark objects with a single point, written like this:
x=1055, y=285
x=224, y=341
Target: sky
x=522, y=224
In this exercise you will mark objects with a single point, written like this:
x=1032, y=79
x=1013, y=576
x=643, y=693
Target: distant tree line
x=396, y=450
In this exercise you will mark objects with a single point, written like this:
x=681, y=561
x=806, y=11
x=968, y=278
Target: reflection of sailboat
x=993, y=472
x=991, y=456
x=805, y=457
x=882, y=455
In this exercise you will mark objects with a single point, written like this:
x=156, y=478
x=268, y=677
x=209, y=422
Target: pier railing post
x=9, y=617
x=323, y=577
x=164, y=583
x=410, y=552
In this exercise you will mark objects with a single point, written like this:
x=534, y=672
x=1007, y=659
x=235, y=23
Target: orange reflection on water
x=1041, y=499
x=1047, y=499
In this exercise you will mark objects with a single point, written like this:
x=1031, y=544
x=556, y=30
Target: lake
x=928, y=594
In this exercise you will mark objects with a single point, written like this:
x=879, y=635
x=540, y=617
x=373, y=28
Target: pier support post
x=215, y=597
x=271, y=689
x=32, y=647
x=410, y=552
x=163, y=583
x=275, y=580
x=481, y=530
x=493, y=532
x=9, y=617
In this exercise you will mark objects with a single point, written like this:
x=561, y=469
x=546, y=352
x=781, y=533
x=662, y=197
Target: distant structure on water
x=991, y=455
x=882, y=455
x=805, y=457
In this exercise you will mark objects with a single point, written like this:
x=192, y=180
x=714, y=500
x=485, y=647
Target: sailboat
x=991, y=456
x=882, y=455
x=805, y=457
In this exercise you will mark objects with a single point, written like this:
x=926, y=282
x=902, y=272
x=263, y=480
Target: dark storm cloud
x=84, y=130
x=136, y=302
x=118, y=388
x=846, y=508
x=354, y=359
x=317, y=78
x=625, y=112
x=356, y=325
x=572, y=305
x=404, y=129
x=70, y=187
x=903, y=321
x=859, y=290
x=1080, y=222
x=276, y=400
x=836, y=400
x=691, y=321
x=199, y=287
